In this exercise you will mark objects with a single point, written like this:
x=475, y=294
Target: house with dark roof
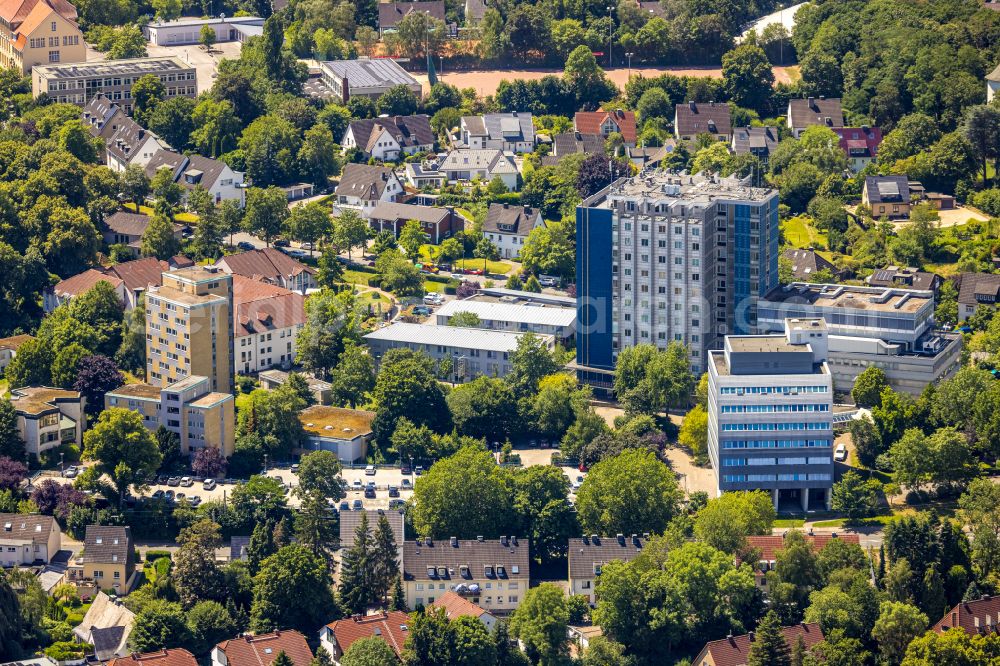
x=437, y=223
x=491, y=573
x=975, y=617
x=694, y=118
x=9, y=347
x=887, y=196
x=976, y=290
x=807, y=263
x=587, y=555
x=604, y=123
x=806, y=112
x=757, y=141
x=130, y=280
x=508, y=226
x=48, y=417
x=191, y=171
x=363, y=186
x=570, y=143
x=475, y=10
x=272, y=266
x=391, y=13
x=125, y=141
x=735, y=650
x=266, y=324
x=651, y=8
x=167, y=657
x=349, y=521
x=107, y=558
x=860, y=144
x=391, y=627
x=125, y=228
x=263, y=649
x=512, y=132
x=907, y=278
x=456, y=606
x=27, y=539
x=388, y=138
x=238, y=547
x=106, y=626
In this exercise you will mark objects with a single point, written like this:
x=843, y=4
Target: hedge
x=375, y=281
x=156, y=554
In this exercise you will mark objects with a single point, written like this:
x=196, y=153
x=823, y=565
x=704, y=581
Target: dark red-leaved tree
x=208, y=463
x=96, y=375
x=12, y=473
x=467, y=289
x=597, y=172
x=57, y=499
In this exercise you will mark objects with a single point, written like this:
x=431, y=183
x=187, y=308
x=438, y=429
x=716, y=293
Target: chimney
x=752, y=635
x=454, y=542
x=693, y=106
x=479, y=538
x=513, y=540
x=812, y=102
x=346, y=92
x=430, y=542
x=503, y=541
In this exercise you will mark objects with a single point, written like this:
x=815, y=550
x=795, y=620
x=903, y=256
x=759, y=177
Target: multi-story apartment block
x=266, y=324
x=664, y=258
x=47, y=417
x=189, y=328
x=200, y=417
x=39, y=32
x=490, y=573
x=887, y=327
x=770, y=414
x=78, y=83
x=587, y=555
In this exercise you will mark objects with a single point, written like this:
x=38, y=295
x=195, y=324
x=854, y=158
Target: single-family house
x=757, y=141
x=48, y=417
x=437, y=223
x=906, y=278
x=27, y=539
x=887, y=196
x=263, y=649
x=860, y=144
x=391, y=626
x=391, y=13
x=191, y=171
x=475, y=10
x=272, y=266
x=76, y=285
x=455, y=606
x=425, y=174
x=129, y=278
x=974, y=617
x=107, y=559
x=165, y=657
x=511, y=132
x=363, y=186
x=484, y=163
x=694, y=118
x=389, y=138
x=807, y=263
x=106, y=626
x=507, y=227
x=735, y=650
x=9, y=347
x=767, y=546
x=125, y=228
x=992, y=79
x=570, y=143
x=604, y=123
x=976, y=290
x=805, y=112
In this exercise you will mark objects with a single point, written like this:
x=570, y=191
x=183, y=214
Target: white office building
x=514, y=317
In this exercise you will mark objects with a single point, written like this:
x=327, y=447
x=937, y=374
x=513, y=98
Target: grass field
x=800, y=233
x=357, y=277
x=494, y=267
x=187, y=218
x=789, y=522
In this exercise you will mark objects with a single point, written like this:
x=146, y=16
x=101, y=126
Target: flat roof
x=883, y=299
x=142, y=391
x=521, y=313
x=38, y=399
x=749, y=344
x=686, y=189
x=184, y=298
x=718, y=359
x=113, y=68
x=193, y=20
x=450, y=336
x=336, y=422
x=211, y=400
x=370, y=73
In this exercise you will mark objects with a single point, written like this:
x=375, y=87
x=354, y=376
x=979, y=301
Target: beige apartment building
x=189, y=328
x=39, y=32
x=203, y=419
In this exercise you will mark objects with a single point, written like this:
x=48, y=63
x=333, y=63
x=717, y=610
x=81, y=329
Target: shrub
x=152, y=555
x=375, y=281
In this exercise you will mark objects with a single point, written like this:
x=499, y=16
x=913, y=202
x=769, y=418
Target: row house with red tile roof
x=767, y=547
x=392, y=627
x=266, y=323
x=171, y=657
x=129, y=279
x=979, y=616
x=735, y=650
x=263, y=649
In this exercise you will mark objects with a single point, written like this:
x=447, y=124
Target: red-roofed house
x=270, y=265
x=266, y=323
x=391, y=627
x=40, y=32
x=129, y=278
x=860, y=143
x=455, y=605
x=735, y=650
x=975, y=617
x=262, y=649
x=172, y=657
x=769, y=545
x=606, y=122
x=77, y=285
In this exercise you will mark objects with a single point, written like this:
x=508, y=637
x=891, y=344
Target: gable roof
x=129, y=136
x=107, y=544
x=590, y=122
x=202, y=170
x=586, y=553
x=15, y=12
x=894, y=276
x=807, y=111
x=408, y=131
x=693, y=118
x=455, y=605
x=238, y=546
x=260, y=307
x=569, y=143
x=140, y=273
x=509, y=126
x=27, y=527
x=266, y=264
x=127, y=224
x=349, y=521
x=887, y=189
x=262, y=649
x=978, y=288
x=768, y=545
x=475, y=10
x=389, y=210
x=98, y=114
x=15, y=341
x=507, y=219
x=470, y=556
x=391, y=13
x=859, y=141
x=171, y=657
x=735, y=650
x=391, y=627
x=106, y=626
x=493, y=160
x=978, y=616
x=995, y=74
x=805, y=263
x=754, y=140
x=364, y=181
x=83, y=282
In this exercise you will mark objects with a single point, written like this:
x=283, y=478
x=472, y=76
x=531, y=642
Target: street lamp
x=27, y=465
x=611, y=28
x=265, y=464
x=628, y=56
x=61, y=471
x=411, y=471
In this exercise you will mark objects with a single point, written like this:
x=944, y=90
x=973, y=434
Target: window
x=52, y=26
x=53, y=56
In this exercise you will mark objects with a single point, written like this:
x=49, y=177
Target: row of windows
x=758, y=462
x=768, y=409
x=768, y=390
x=821, y=425
x=752, y=478
x=775, y=443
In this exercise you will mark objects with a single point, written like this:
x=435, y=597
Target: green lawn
x=799, y=232
x=494, y=267
x=430, y=286
x=74, y=616
x=789, y=522
x=188, y=218
x=357, y=277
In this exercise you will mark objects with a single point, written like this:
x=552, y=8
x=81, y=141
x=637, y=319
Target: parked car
x=407, y=485
x=174, y=481
x=281, y=242
x=345, y=506
x=169, y=496
x=418, y=470
x=186, y=482
x=369, y=493
x=295, y=254
x=180, y=496
x=548, y=280
x=396, y=504
x=577, y=483
x=433, y=298
x=245, y=245
x=70, y=472
x=370, y=470
x=356, y=484
x=158, y=494
x=162, y=479
x=840, y=453
x=208, y=484
x=307, y=246
x=404, y=469
x=295, y=468
x=194, y=501
x=358, y=505
x=393, y=491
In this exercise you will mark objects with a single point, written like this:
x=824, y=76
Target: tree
x=649, y=380
x=320, y=485
x=726, y=521
x=266, y=212
x=356, y=576
x=550, y=250
x=209, y=623
x=747, y=75
x=147, y=92
x=167, y=192
x=769, y=647
x=939, y=459
x=159, y=624
x=431, y=641
x=215, y=127
x=384, y=559
x=350, y=230
x=158, y=240
x=11, y=444
x=540, y=624
x=556, y=404
x=291, y=590
x=586, y=80
x=319, y=156
x=866, y=440
x=135, y=184
x=308, y=223
x=794, y=577
x=465, y=319
x=855, y=496
x=172, y=120
x=897, y=625
x=485, y=407
x=128, y=43
x=207, y=37
x=487, y=251
x=64, y=366
x=12, y=473
x=271, y=146
x=464, y=495
x=981, y=128
x=411, y=238
x=353, y=378
x=332, y=323
x=397, y=101
x=406, y=386
x=371, y=651
x=693, y=434
x=398, y=274
x=195, y=574
x=980, y=505
x=530, y=362
x=868, y=387
x=650, y=503
x=123, y=449
x=209, y=462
